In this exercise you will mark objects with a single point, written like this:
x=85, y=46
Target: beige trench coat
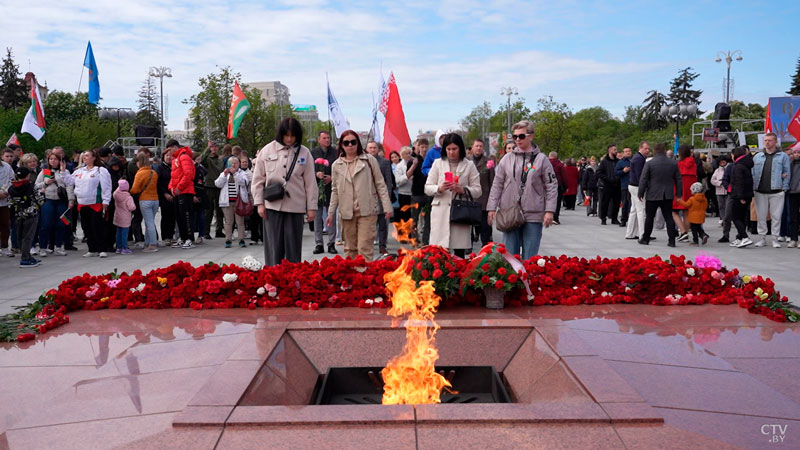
x=443, y=233
x=368, y=187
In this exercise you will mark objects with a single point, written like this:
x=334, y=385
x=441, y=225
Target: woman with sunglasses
x=283, y=213
x=356, y=187
x=525, y=165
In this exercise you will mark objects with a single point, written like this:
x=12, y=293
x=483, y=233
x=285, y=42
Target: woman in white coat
x=464, y=176
x=232, y=184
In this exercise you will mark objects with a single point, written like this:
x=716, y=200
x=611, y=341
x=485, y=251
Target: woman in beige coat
x=456, y=237
x=283, y=234
x=356, y=187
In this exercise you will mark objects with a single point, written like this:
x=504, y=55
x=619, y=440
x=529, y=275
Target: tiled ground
x=720, y=377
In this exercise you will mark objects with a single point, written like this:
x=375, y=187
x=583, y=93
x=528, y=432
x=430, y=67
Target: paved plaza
x=586, y=376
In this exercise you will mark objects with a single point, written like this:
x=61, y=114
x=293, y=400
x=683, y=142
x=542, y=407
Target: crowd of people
x=758, y=192
x=441, y=193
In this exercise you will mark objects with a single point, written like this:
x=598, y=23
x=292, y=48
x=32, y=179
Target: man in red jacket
x=181, y=185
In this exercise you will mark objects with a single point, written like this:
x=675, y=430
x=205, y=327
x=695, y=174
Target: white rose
x=690, y=271
x=261, y=291
x=541, y=262
x=230, y=277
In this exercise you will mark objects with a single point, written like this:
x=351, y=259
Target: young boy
x=25, y=204
x=697, y=204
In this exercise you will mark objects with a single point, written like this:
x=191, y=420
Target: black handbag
x=276, y=191
x=465, y=210
x=62, y=193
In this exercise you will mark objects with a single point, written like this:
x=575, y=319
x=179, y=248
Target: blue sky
x=447, y=57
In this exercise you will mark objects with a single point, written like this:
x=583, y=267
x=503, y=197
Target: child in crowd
x=123, y=215
x=697, y=206
x=25, y=204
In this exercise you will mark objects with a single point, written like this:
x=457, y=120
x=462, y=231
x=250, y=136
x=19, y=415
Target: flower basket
x=495, y=298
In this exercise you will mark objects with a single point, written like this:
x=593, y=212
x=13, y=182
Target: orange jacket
x=697, y=204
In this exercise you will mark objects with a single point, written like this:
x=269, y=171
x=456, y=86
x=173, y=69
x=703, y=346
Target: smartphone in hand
x=448, y=177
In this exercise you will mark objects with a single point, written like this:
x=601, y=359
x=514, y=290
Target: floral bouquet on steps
x=495, y=271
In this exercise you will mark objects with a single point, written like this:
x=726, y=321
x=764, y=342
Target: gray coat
x=660, y=180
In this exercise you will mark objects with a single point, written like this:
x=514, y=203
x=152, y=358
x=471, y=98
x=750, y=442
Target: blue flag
x=94, y=82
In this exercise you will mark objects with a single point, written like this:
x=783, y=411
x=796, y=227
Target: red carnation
x=501, y=271
x=513, y=278
x=485, y=267
x=499, y=284
x=437, y=273
x=485, y=279
x=424, y=274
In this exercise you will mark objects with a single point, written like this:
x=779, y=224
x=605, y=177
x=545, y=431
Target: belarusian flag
x=12, y=140
x=47, y=173
x=34, y=120
x=239, y=107
x=395, y=132
x=65, y=218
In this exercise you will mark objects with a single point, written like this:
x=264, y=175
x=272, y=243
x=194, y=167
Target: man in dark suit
x=659, y=178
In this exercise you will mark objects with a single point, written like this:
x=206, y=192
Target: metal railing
x=729, y=139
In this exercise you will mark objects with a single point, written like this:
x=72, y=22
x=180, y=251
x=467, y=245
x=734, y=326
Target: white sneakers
x=776, y=244
x=792, y=244
x=6, y=252
x=761, y=242
x=744, y=243
x=90, y=254
x=59, y=251
x=187, y=244
x=103, y=254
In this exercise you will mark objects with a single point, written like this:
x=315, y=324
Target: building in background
x=272, y=91
x=306, y=113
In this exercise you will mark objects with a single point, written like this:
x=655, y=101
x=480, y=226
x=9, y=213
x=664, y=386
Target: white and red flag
x=794, y=125
x=34, y=123
x=395, y=132
x=13, y=140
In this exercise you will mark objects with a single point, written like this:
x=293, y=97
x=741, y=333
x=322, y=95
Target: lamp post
x=728, y=57
x=508, y=92
x=677, y=113
x=120, y=113
x=160, y=73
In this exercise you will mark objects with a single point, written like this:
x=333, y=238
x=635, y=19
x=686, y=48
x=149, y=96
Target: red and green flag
x=65, y=218
x=47, y=173
x=34, y=120
x=239, y=107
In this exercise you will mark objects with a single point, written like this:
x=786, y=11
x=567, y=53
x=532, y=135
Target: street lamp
x=160, y=73
x=508, y=92
x=677, y=113
x=120, y=113
x=728, y=57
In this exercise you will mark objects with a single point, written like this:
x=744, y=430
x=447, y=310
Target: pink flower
x=490, y=164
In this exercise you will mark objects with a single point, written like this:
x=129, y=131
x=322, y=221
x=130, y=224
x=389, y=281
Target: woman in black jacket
x=589, y=184
x=741, y=192
x=165, y=200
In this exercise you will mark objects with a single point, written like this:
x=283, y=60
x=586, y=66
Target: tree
x=795, y=88
x=519, y=111
x=477, y=122
x=551, y=121
x=749, y=111
x=210, y=106
x=13, y=91
x=651, y=118
x=149, y=113
x=681, y=92
x=62, y=106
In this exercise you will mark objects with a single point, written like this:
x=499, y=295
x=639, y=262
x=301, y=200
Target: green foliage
x=149, y=107
x=794, y=89
x=63, y=107
x=211, y=105
x=493, y=271
x=13, y=91
x=552, y=121
x=651, y=118
x=477, y=122
x=681, y=92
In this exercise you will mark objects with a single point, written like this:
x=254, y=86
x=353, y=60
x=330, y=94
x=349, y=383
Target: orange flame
x=403, y=230
x=410, y=378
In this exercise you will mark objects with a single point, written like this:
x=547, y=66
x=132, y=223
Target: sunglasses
x=519, y=136
x=349, y=143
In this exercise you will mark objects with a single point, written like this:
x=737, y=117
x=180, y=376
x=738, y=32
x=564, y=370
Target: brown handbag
x=510, y=218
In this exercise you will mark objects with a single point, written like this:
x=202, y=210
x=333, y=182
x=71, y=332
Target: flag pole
x=328, y=101
x=72, y=125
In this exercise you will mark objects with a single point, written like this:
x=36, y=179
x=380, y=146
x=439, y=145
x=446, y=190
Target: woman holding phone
x=451, y=175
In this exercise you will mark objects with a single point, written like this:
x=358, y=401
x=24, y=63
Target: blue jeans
x=527, y=237
x=50, y=221
x=122, y=238
x=149, y=209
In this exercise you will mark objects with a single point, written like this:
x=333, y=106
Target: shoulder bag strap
x=291, y=167
x=523, y=177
